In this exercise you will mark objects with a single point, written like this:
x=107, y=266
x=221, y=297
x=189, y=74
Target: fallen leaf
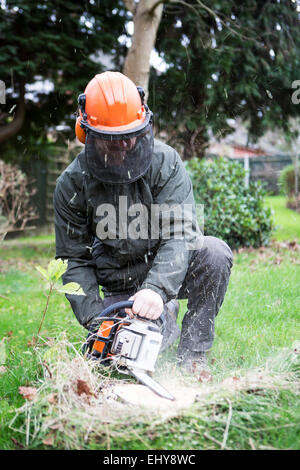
x=17, y=443
x=52, y=398
x=2, y=369
x=9, y=333
x=29, y=393
x=83, y=387
x=57, y=427
x=49, y=441
x=294, y=245
x=205, y=376
x=31, y=343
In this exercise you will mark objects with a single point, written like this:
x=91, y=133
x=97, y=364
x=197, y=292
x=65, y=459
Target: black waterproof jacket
x=120, y=264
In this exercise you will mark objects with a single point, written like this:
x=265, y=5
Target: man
x=103, y=202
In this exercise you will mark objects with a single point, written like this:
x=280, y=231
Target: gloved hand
x=147, y=304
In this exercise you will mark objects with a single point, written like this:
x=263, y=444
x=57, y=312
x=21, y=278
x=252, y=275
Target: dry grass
x=75, y=402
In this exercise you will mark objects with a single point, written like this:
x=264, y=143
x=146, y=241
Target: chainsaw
x=131, y=345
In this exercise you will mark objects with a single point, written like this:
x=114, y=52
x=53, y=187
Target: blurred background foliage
x=224, y=60
x=233, y=212
x=212, y=64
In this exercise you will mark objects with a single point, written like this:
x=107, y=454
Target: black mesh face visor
x=121, y=158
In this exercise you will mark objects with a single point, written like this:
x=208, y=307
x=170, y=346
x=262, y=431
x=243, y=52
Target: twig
x=45, y=310
x=265, y=429
x=208, y=436
x=268, y=448
x=48, y=370
x=27, y=426
x=227, y=425
x=251, y=443
x=274, y=427
x=107, y=437
x=4, y=297
x=140, y=438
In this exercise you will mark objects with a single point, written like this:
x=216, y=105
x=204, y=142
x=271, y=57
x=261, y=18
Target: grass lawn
x=257, y=332
x=286, y=220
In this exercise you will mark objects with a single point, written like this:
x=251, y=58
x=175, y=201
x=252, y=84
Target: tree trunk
x=146, y=19
x=10, y=129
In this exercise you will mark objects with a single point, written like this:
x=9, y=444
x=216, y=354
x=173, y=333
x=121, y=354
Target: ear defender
x=79, y=130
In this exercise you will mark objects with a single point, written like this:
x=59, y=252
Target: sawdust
x=187, y=391
x=139, y=396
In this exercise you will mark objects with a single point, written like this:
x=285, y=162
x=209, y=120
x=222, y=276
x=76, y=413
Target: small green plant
x=56, y=268
x=233, y=212
x=287, y=180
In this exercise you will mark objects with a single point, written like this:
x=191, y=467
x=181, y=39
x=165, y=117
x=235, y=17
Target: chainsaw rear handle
x=114, y=307
x=119, y=306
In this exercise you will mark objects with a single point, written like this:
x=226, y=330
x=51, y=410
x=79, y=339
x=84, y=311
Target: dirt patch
x=274, y=254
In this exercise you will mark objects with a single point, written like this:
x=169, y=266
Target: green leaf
x=56, y=268
x=72, y=288
x=43, y=272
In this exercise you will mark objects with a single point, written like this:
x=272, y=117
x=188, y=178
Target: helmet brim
x=112, y=133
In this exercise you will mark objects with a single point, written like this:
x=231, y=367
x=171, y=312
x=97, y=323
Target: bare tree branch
x=130, y=5
x=16, y=210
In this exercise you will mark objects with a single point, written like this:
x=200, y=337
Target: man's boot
x=195, y=364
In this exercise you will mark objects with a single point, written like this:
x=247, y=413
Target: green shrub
x=232, y=212
x=287, y=180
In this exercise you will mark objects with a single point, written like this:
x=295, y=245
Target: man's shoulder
x=164, y=151
x=75, y=171
x=166, y=164
x=164, y=158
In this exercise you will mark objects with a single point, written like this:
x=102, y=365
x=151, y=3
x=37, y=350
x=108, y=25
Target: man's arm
x=171, y=261
x=73, y=242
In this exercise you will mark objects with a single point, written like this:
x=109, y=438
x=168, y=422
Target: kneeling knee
x=217, y=252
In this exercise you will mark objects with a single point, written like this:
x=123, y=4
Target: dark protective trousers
x=204, y=287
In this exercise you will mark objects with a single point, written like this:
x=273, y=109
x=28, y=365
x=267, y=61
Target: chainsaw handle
x=119, y=306
x=112, y=308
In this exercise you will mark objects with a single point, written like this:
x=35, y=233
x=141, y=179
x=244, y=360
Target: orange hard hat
x=111, y=104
